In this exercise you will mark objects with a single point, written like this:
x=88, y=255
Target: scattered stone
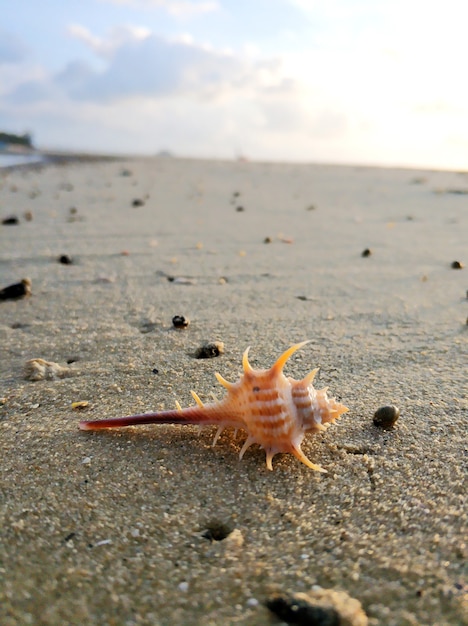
x=73, y=210
x=64, y=259
x=457, y=265
x=28, y=216
x=80, y=406
x=155, y=370
x=125, y=172
x=11, y=220
x=366, y=252
x=17, y=290
x=209, y=350
x=323, y=607
x=457, y=192
x=418, y=180
x=240, y=209
x=217, y=531
x=311, y=207
x=39, y=369
x=295, y=610
x=267, y=240
x=222, y=280
x=181, y=280
x=386, y=416
x=179, y=321
x=138, y=202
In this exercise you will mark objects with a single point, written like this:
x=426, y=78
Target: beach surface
x=116, y=527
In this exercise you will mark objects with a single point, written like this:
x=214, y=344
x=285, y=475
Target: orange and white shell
x=276, y=411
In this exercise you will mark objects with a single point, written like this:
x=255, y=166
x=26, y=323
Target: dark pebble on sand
x=179, y=321
x=457, y=265
x=209, y=350
x=267, y=240
x=366, y=252
x=386, y=416
x=138, y=202
x=64, y=259
x=298, y=611
x=240, y=209
x=216, y=531
x=17, y=290
x=155, y=371
x=11, y=220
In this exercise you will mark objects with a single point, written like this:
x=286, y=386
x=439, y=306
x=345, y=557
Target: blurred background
x=378, y=82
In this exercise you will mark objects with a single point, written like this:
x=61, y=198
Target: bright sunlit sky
x=345, y=81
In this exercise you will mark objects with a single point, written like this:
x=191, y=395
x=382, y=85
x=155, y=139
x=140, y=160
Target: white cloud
x=140, y=64
x=106, y=47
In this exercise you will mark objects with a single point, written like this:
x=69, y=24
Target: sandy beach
x=111, y=527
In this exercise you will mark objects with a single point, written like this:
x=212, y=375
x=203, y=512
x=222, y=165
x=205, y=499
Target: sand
x=107, y=527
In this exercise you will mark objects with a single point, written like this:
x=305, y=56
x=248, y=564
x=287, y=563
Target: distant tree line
x=20, y=140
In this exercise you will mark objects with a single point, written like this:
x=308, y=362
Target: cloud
x=140, y=64
x=118, y=36
x=12, y=49
x=177, y=8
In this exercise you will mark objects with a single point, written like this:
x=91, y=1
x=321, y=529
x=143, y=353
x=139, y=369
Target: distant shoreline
x=14, y=160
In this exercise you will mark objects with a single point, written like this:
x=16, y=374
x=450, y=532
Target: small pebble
x=295, y=610
x=138, y=202
x=217, y=531
x=367, y=252
x=267, y=240
x=64, y=259
x=319, y=607
x=179, y=321
x=209, y=350
x=181, y=280
x=12, y=220
x=39, y=369
x=28, y=216
x=80, y=405
x=183, y=586
x=311, y=207
x=457, y=265
x=125, y=172
x=386, y=416
x=240, y=209
x=17, y=290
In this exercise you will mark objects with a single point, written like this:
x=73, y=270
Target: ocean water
x=7, y=160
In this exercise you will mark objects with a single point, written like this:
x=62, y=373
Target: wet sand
x=108, y=527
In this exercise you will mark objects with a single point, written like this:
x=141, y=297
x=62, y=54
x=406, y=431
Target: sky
x=371, y=82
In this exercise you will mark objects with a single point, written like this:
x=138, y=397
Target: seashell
x=276, y=411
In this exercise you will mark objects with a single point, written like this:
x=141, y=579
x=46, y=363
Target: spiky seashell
x=276, y=411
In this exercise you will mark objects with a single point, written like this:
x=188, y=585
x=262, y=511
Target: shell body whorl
x=275, y=411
